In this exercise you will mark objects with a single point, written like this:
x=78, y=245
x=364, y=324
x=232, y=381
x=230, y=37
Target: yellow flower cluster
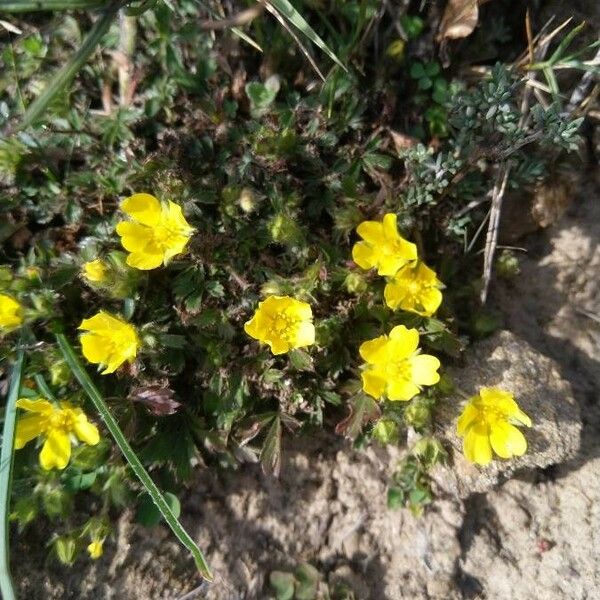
x=155, y=233
x=412, y=286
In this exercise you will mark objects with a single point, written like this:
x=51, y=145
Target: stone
x=508, y=362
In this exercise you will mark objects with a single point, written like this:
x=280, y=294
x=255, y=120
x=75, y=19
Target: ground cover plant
x=223, y=226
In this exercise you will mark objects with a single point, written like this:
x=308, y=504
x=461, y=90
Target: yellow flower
x=383, y=248
x=415, y=289
x=95, y=549
x=95, y=271
x=110, y=341
x=283, y=323
x=156, y=233
x=11, y=313
x=56, y=426
x=485, y=424
x=395, y=367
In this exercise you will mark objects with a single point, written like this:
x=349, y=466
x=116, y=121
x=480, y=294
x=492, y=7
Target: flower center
x=60, y=419
x=163, y=235
x=283, y=327
x=399, y=369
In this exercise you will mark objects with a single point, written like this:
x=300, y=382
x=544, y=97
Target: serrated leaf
x=363, y=409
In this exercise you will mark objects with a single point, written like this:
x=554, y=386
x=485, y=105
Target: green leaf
x=92, y=391
x=6, y=463
x=66, y=549
x=80, y=481
x=363, y=409
x=283, y=584
x=270, y=455
x=297, y=20
x=17, y=6
x=301, y=360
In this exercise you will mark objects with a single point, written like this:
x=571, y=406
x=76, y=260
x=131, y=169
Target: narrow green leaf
x=270, y=455
x=69, y=70
x=6, y=462
x=17, y=6
x=157, y=497
x=285, y=8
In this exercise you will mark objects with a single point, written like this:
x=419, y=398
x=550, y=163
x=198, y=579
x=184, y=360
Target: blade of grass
x=113, y=427
x=297, y=20
x=6, y=462
x=17, y=6
x=68, y=71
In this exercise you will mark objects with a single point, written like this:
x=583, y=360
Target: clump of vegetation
x=245, y=251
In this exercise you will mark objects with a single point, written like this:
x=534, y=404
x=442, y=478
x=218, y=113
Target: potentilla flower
x=156, y=233
x=283, y=323
x=383, y=247
x=110, y=341
x=414, y=289
x=56, y=425
x=395, y=367
x=95, y=271
x=11, y=313
x=95, y=548
x=486, y=424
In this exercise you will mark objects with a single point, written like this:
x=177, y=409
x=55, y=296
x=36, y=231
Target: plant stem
x=131, y=457
x=6, y=463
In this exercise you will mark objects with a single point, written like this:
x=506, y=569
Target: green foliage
x=305, y=583
x=274, y=171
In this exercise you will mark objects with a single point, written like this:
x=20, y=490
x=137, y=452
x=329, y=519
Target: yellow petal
x=176, y=218
x=477, y=446
x=424, y=369
x=134, y=237
x=374, y=351
x=279, y=346
x=10, y=312
x=95, y=549
x=94, y=348
x=37, y=406
x=100, y=322
x=431, y=299
x=394, y=294
x=143, y=208
x=86, y=431
x=252, y=327
x=507, y=441
x=56, y=450
x=305, y=335
x=145, y=261
x=469, y=415
x=402, y=389
x=28, y=428
x=371, y=231
x=389, y=265
x=373, y=384
x=405, y=341
x=363, y=256
x=390, y=226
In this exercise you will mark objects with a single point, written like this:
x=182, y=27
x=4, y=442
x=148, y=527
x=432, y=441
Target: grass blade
x=18, y=6
x=6, y=462
x=92, y=391
x=297, y=20
x=66, y=73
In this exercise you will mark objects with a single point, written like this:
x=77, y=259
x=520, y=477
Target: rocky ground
x=535, y=534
